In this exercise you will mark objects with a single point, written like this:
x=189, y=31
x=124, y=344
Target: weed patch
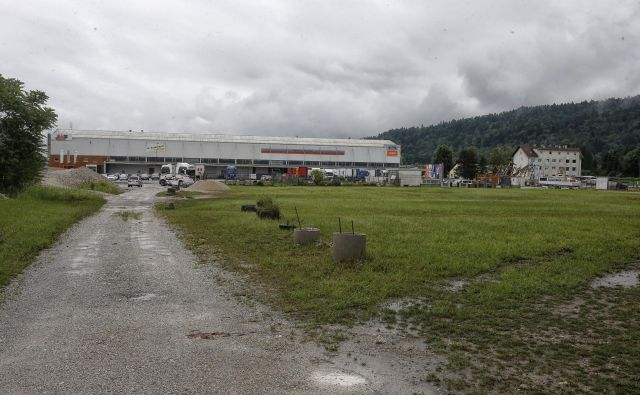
x=34, y=219
x=102, y=186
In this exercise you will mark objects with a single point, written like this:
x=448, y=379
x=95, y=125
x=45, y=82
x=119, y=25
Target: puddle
x=337, y=378
x=397, y=305
x=211, y=335
x=144, y=297
x=626, y=279
x=456, y=285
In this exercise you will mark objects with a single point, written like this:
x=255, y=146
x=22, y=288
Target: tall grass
x=33, y=220
x=102, y=186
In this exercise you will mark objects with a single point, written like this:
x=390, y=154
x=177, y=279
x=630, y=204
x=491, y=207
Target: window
x=567, y=160
x=574, y=161
x=573, y=168
x=244, y=161
x=553, y=167
x=228, y=161
x=553, y=160
x=547, y=160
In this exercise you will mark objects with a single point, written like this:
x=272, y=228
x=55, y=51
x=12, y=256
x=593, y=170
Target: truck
x=170, y=172
x=559, y=182
x=231, y=173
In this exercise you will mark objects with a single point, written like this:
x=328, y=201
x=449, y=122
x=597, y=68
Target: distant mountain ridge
x=595, y=126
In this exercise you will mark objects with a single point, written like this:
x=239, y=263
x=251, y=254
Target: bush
x=102, y=186
x=317, y=176
x=58, y=194
x=266, y=208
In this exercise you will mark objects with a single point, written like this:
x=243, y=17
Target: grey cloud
x=313, y=68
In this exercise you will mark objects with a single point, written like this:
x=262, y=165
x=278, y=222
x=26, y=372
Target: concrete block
x=306, y=235
x=349, y=246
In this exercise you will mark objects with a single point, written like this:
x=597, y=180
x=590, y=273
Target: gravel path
x=121, y=307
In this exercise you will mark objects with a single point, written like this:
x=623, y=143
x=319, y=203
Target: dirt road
x=121, y=307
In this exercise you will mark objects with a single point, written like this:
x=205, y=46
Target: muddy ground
x=119, y=305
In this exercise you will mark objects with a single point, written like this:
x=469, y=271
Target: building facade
x=131, y=152
x=549, y=161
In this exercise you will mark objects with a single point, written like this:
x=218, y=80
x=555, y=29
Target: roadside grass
x=522, y=255
x=102, y=186
x=34, y=219
x=180, y=193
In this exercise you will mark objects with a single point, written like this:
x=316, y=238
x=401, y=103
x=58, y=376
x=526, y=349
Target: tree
x=501, y=155
x=23, y=118
x=444, y=155
x=468, y=159
x=610, y=162
x=318, y=176
x=482, y=165
x=589, y=163
x=631, y=162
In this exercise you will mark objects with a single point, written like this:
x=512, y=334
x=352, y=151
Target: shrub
x=266, y=208
x=58, y=194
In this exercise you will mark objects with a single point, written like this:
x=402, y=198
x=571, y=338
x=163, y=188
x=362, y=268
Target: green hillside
x=608, y=132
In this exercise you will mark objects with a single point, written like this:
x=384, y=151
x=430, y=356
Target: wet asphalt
x=121, y=306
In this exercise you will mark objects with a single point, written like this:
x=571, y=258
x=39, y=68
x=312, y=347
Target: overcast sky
x=314, y=68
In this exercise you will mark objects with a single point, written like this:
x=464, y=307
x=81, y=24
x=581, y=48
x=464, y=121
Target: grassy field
x=102, y=186
x=34, y=219
x=524, y=316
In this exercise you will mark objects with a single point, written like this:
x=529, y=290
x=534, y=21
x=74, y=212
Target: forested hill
x=598, y=126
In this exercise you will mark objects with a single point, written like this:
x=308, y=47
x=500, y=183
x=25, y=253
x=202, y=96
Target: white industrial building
x=131, y=152
x=548, y=161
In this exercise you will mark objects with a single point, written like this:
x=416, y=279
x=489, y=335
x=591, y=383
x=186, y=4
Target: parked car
x=112, y=177
x=123, y=177
x=266, y=177
x=155, y=176
x=182, y=181
x=144, y=176
x=134, y=181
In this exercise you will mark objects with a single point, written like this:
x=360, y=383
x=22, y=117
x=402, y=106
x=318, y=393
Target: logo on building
x=156, y=148
x=392, y=150
x=63, y=137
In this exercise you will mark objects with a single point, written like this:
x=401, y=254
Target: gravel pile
x=70, y=178
x=208, y=186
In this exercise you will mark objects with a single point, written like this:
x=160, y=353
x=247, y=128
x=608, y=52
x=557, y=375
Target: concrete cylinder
x=349, y=246
x=306, y=235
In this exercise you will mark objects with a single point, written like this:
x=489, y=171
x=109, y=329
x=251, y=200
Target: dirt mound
x=70, y=178
x=208, y=186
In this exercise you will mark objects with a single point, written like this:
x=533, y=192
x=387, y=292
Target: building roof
x=557, y=148
x=528, y=150
x=222, y=138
